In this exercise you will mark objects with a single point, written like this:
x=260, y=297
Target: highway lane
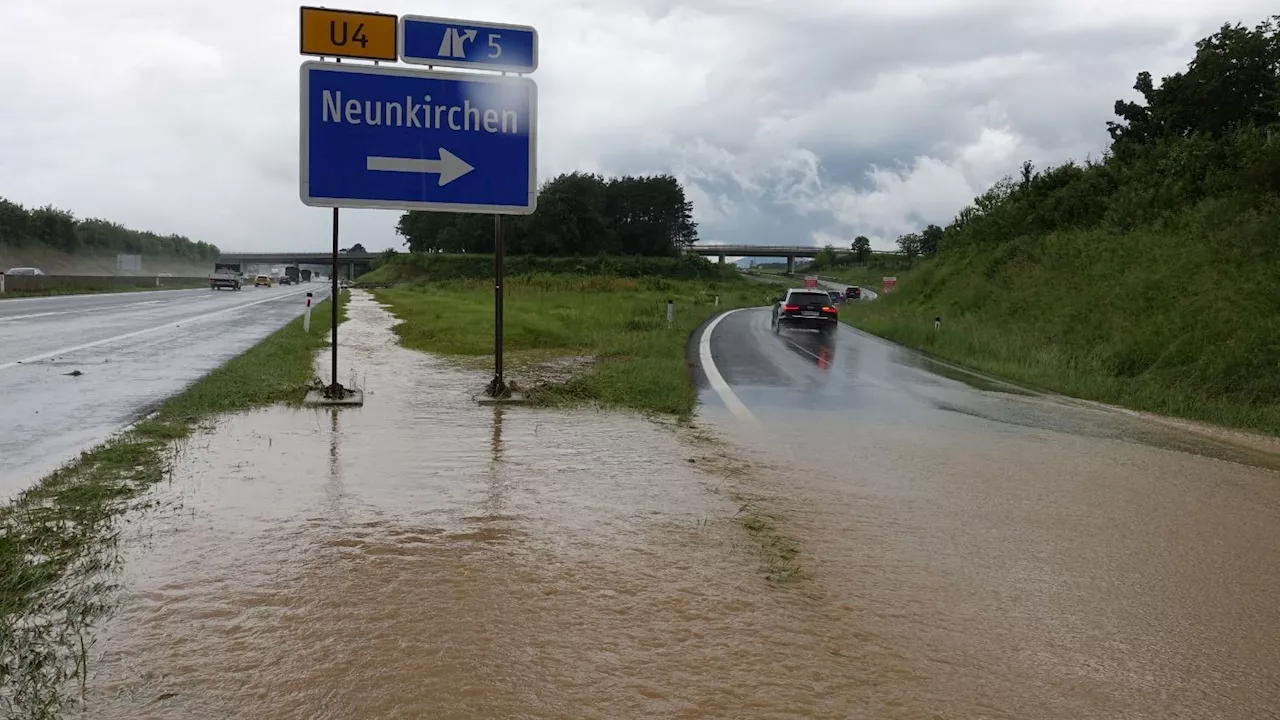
x=132, y=350
x=1005, y=553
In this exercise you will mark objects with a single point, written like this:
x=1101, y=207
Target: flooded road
x=75, y=369
x=1022, y=556
x=424, y=557
x=947, y=551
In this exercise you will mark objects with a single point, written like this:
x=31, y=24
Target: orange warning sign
x=349, y=34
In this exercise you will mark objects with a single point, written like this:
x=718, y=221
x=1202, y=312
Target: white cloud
x=800, y=120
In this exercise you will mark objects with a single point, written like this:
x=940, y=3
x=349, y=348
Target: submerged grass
x=637, y=360
x=58, y=540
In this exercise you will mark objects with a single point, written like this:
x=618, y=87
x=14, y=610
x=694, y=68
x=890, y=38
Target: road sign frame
x=304, y=157
x=449, y=62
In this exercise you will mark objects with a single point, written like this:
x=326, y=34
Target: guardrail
x=26, y=284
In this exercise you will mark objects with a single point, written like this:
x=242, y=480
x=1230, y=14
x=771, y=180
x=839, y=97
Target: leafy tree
x=910, y=244
x=60, y=230
x=1233, y=82
x=930, y=240
x=357, y=248
x=578, y=214
x=862, y=248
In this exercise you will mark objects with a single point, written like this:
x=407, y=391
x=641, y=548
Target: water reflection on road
x=423, y=557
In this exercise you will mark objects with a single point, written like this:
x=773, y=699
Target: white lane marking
x=34, y=315
x=714, y=377
x=136, y=333
x=70, y=297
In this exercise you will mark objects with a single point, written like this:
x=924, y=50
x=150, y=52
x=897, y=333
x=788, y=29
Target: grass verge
x=634, y=359
x=59, y=539
x=1181, y=319
x=53, y=292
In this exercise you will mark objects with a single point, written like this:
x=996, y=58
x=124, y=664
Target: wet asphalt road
x=132, y=350
x=797, y=384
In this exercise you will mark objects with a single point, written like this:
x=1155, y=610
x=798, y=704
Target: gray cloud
x=800, y=121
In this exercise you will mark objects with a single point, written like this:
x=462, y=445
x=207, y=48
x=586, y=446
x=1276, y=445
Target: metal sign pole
x=333, y=303
x=499, y=386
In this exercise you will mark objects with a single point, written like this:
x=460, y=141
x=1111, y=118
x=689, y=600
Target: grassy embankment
x=58, y=539
x=86, y=262
x=144, y=285
x=634, y=360
x=430, y=267
x=1180, y=317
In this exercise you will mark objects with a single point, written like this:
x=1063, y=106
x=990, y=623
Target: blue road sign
x=468, y=44
x=399, y=138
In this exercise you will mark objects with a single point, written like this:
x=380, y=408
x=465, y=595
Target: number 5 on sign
x=449, y=42
x=349, y=34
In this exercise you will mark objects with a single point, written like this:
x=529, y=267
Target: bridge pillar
x=721, y=258
x=791, y=264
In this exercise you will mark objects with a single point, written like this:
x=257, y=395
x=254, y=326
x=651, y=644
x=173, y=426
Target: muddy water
x=1021, y=572
x=422, y=557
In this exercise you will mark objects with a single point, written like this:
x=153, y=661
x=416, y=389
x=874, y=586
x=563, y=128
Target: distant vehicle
x=262, y=281
x=225, y=275
x=837, y=297
x=285, y=280
x=164, y=275
x=24, y=271
x=853, y=292
x=306, y=276
x=292, y=275
x=805, y=308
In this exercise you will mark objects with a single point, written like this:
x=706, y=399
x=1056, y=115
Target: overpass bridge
x=349, y=260
x=790, y=252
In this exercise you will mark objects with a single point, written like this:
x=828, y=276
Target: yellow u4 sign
x=348, y=34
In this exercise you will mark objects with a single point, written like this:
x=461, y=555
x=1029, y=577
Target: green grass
x=1180, y=318
x=98, y=290
x=58, y=540
x=430, y=267
x=638, y=362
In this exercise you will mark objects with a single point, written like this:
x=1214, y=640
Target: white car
x=24, y=271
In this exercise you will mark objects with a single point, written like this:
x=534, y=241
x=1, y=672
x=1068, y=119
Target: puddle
x=425, y=557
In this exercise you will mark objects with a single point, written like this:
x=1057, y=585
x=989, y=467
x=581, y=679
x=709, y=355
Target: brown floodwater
x=423, y=557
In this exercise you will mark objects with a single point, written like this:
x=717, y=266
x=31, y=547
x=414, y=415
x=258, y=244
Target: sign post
x=409, y=139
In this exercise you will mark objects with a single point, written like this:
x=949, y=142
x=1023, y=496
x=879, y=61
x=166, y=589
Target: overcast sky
x=796, y=121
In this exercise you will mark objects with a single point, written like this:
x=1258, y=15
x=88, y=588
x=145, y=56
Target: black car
x=805, y=308
x=853, y=292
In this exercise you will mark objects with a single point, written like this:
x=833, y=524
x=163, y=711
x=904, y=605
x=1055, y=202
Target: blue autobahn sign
x=468, y=44
x=401, y=138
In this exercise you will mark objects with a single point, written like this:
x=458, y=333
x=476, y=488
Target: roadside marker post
x=306, y=318
x=410, y=139
x=671, y=312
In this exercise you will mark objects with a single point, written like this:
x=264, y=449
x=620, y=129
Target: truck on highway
x=306, y=276
x=225, y=275
x=291, y=276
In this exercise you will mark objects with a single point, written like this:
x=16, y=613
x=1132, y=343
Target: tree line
x=578, y=214
x=60, y=230
x=1211, y=131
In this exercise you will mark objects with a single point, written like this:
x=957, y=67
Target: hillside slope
x=1180, y=318
x=1149, y=279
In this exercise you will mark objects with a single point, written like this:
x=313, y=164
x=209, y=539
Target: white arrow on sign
x=450, y=166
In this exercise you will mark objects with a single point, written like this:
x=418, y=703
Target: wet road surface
x=132, y=351
x=423, y=557
x=1006, y=554
x=966, y=553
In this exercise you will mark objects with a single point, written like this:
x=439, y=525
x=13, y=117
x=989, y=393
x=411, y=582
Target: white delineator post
x=671, y=310
x=306, y=318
